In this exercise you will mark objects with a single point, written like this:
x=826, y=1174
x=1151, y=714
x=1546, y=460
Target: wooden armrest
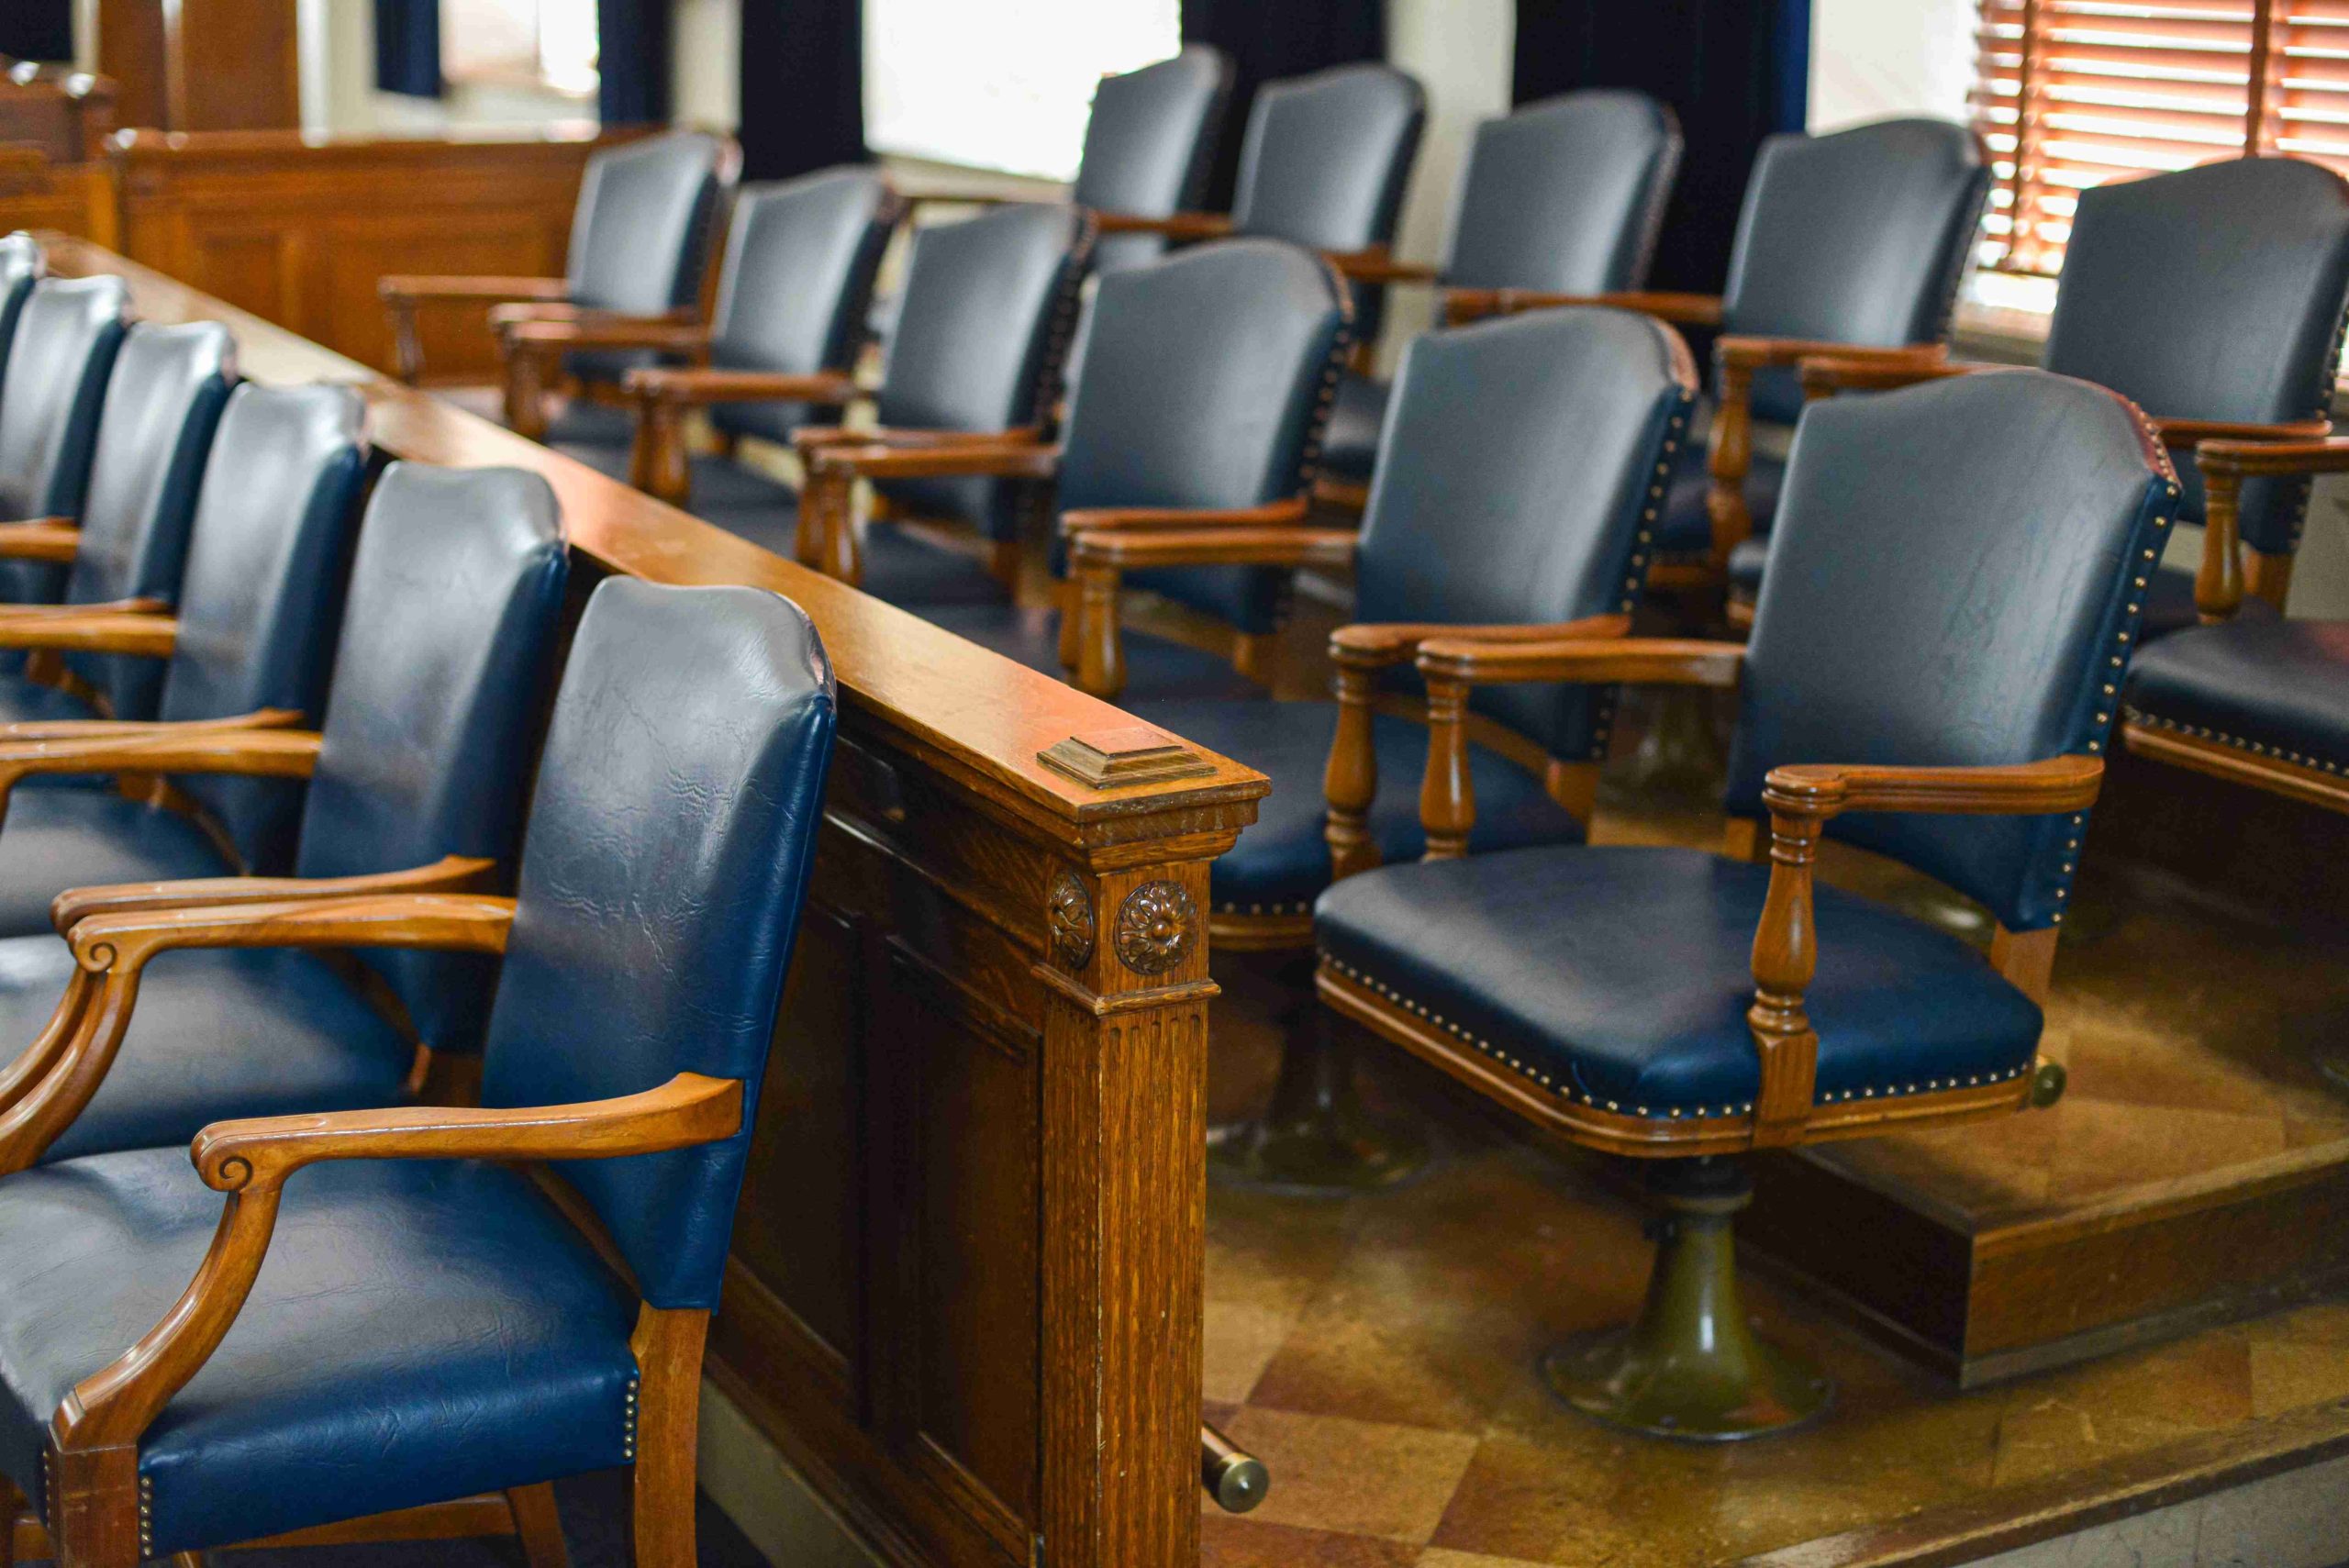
x=1217, y=546
x=700, y=385
x=115, y=729
x=1882, y=370
x=451, y=874
x=406, y=287
x=2241, y=459
x=1377, y=264
x=1371, y=645
x=256, y=753
x=1168, y=520
x=808, y=437
x=2195, y=432
x=1175, y=225
x=249, y=1161
x=562, y=312
x=1800, y=799
x=46, y=538
x=92, y=631
x=1635, y=660
x=2022, y=789
x=610, y=332
x=1753, y=354
x=1682, y=310
x=451, y=922
x=1001, y=460
x=142, y=605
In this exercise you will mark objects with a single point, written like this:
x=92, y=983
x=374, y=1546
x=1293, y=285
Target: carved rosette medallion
x=1068, y=910
x=1156, y=925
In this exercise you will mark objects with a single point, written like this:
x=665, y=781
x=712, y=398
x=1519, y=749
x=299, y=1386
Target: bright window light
x=1005, y=84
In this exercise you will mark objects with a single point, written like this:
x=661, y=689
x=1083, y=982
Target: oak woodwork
x=49, y=538
x=92, y=631
x=65, y=114
x=833, y=462
x=119, y=728
x=256, y=753
x=1465, y=305
x=452, y=874
x=890, y=1342
x=668, y=1350
x=203, y=65
x=1173, y=225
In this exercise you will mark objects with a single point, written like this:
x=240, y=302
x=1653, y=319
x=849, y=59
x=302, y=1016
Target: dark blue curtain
x=37, y=29
x=1734, y=71
x=1269, y=40
x=803, y=86
x=632, y=62
x=408, y=46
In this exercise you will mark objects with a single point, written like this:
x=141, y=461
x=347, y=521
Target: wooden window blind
x=2069, y=94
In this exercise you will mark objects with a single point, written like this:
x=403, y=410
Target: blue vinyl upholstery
x=423, y=1330
x=1148, y=146
x=258, y=607
x=428, y=1329
x=669, y=848
x=2261, y=684
x=446, y=654
x=22, y=264
x=154, y=438
x=66, y=337
x=1521, y=455
x=640, y=235
x=1561, y=197
x=2217, y=293
x=1927, y=609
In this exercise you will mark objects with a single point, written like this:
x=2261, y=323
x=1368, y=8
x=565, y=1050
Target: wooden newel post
x=2218, y=581
x=1448, y=794
x=1124, y=1210
x=1785, y=955
x=1730, y=460
x=1351, y=782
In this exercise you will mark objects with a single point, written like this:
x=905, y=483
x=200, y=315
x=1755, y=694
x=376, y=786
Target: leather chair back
x=66, y=338
x=1956, y=579
x=1516, y=466
x=801, y=259
x=1205, y=381
x=439, y=674
x=1859, y=237
x=640, y=233
x=2217, y=293
x=162, y=405
x=263, y=586
x=1565, y=195
x=982, y=324
x=22, y=264
x=665, y=862
x=1325, y=162
x=1148, y=145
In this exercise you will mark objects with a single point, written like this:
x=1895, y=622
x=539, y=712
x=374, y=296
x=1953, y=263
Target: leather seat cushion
x=2259, y=683
x=57, y=839
x=1350, y=445
x=1282, y=862
x=1619, y=976
x=421, y=1330
x=217, y=1034
x=1685, y=528
x=1156, y=669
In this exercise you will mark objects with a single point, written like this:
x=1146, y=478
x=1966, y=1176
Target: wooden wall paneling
x=70, y=198
x=132, y=49
x=233, y=64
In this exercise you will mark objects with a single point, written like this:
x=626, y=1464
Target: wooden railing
x=966, y=1293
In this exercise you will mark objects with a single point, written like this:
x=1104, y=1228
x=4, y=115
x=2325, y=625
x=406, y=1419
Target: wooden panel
x=966, y=1290
x=71, y=198
x=299, y=232
x=233, y=65
x=132, y=49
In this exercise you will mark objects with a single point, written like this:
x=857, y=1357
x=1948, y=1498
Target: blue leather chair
x=1512, y=497
x=22, y=264
x=1561, y=197
x=982, y=322
x=415, y=784
x=162, y=404
x=641, y=234
x=801, y=259
x=246, y=647
x=2216, y=298
x=1198, y=399
x=1933, y=675
x=432, y=1325
x=66, y=338
x=1856, y=237
x=1149, y=144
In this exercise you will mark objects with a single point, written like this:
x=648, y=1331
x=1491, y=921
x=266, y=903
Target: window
x=2069, y=94
x=1002, y=86
x=520, y=43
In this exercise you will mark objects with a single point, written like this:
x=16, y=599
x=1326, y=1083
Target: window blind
x=2069, y=94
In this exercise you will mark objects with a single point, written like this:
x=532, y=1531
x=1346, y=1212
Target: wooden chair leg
x=539, y=1525
x=668, y=1356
